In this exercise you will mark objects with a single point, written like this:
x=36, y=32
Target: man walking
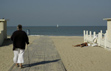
x=20, y=39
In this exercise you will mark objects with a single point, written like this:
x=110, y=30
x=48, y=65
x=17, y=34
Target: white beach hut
x=3, y=30
x=108, y=28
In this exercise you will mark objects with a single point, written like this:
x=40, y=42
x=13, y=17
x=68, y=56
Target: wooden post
x=84, y=36
x=101, y=31
x=98, y=39
x=94, y=33
x=106, y=39
x=86, y=32
x=101, y=34
x=90, y=36
x=101, y=38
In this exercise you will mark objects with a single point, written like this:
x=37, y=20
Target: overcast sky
x=53, y=12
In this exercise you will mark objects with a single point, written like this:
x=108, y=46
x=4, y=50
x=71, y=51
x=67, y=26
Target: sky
x=53, y=12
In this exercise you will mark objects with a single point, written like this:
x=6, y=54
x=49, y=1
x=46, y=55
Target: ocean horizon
x=57, y=31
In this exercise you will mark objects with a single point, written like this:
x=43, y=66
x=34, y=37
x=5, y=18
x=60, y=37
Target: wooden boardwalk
x=41, y=55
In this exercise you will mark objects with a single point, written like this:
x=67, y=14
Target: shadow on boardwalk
x=39, y=63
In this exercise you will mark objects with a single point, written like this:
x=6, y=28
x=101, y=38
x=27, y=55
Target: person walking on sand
x=20, y=39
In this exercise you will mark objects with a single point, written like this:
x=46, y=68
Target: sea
x=57, y=31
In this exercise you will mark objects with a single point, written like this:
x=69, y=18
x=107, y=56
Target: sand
x=82, y=59
x=74, y=58
x=6, y=54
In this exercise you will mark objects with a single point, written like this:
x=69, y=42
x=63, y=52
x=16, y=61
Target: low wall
x=102, y=39
x=1, y=37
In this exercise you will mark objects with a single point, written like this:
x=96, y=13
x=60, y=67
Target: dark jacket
x=19, y=39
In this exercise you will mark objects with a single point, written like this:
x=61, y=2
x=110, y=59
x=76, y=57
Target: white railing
x=102, y=39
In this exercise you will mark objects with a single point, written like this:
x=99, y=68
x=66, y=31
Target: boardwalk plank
x=41, y=55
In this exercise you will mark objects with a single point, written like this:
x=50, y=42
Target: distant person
x=28, y=32
x=82, y=45
x=20, y=39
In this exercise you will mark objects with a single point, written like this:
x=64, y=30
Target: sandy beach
x=82, y=59
x=74, y=58
x=6, y=54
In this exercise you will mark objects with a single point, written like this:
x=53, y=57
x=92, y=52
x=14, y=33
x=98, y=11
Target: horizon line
x=49, y=26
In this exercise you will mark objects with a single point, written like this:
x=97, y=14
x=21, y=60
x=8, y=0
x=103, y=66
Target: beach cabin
x=108, y=28
x=3, y=30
